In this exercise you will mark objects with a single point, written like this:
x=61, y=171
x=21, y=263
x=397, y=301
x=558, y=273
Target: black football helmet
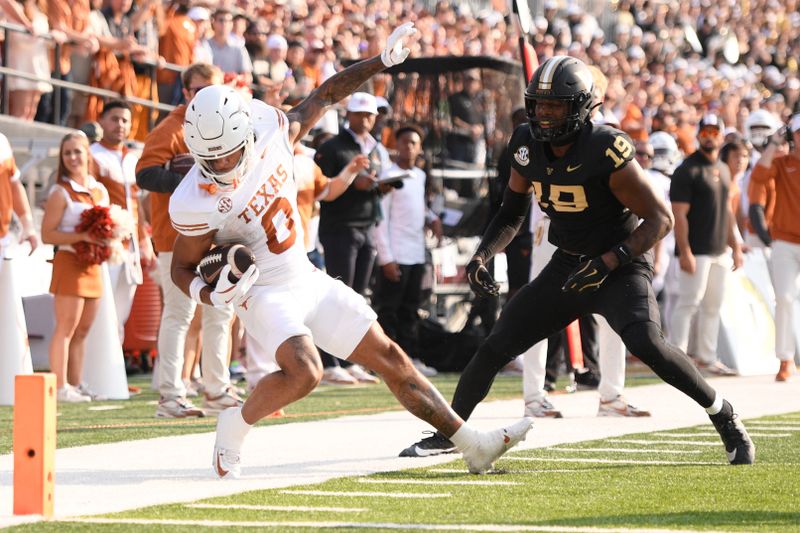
x=567, y=79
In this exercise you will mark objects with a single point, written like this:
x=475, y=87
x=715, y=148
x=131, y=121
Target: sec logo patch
x=224, y=204
x=521, y=156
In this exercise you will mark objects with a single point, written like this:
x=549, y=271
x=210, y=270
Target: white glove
x=227, y=293
x=395, y=53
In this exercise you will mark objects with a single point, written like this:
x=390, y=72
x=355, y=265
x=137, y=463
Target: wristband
x=194, y=289
x=623, y=253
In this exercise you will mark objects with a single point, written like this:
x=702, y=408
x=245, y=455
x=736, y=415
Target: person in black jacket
x=346, y=224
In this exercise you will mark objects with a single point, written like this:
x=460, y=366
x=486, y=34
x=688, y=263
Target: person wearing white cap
x=201, y=18
x=277, y=47
x=779, y=167
x=346, y=225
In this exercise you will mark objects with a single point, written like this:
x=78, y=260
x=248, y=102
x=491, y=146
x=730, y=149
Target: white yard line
x=610, y=461
x=360, y=494
x=623, y=450
x=291, y=508
x=676, y=442
x=376, y=525
x=515, y=471
x=378, y=481
x=714, y=434
x=762, y=427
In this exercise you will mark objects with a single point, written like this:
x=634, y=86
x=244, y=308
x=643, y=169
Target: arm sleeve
x=157, y=179
x=505, y=224
x=759, y=222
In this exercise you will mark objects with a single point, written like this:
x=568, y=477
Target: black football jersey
x=585, y=216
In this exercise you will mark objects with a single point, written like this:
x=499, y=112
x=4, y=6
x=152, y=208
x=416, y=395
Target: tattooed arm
x=632, y=188
x=308, y=112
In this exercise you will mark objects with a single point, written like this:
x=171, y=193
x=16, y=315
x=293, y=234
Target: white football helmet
x=760, y=126
x=665, y=152
x=217, y=124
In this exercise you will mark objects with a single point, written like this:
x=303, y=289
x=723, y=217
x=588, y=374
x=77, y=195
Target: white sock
x=464, y=437
x=715, y=407
x=231, y=429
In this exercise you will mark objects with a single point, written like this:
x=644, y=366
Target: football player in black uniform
x=605, y=217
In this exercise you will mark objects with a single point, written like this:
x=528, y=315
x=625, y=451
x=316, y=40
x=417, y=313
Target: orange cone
x=15, y=354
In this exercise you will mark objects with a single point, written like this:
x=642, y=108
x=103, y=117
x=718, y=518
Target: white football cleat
x=489, y=446
x=226, y=463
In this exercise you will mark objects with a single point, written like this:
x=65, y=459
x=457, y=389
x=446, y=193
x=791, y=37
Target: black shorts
x=541, y=308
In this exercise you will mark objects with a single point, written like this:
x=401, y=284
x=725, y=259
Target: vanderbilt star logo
x=570, y=168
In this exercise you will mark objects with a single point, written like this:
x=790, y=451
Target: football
x=180, y=164
x=238, y=256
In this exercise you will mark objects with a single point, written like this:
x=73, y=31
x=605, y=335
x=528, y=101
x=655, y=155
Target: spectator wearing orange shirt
x=176, y=46
x=160, y=171
x=783, y=169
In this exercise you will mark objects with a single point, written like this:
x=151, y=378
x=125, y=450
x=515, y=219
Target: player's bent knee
x=644, y=340
x=298, y=358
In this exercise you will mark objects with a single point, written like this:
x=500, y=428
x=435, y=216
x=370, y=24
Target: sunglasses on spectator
x=709, y=131
x=644, y=155
x=195, y=90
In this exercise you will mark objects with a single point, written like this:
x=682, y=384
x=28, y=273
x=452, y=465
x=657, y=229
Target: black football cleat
x=738, y=446
x=436, y=444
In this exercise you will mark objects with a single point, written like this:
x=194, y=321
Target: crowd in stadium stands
x=668, y=65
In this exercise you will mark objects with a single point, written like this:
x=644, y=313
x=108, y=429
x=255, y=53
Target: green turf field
x=671, y=480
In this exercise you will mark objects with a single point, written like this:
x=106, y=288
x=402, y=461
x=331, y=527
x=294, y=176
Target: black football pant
x=541, y=308
x=397, y=304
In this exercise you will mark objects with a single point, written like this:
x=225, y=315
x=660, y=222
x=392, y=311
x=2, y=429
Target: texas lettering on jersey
x=260, y=213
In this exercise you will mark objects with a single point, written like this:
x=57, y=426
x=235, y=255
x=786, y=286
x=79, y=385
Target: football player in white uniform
x=241, y=190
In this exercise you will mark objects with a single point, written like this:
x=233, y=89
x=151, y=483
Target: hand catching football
x=237, y=256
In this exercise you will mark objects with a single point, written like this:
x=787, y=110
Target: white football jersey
x=261, y=212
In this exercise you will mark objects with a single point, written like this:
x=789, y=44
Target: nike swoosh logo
x=422, y=452
x=570, y=168
x=215, y=274
x=221, y=472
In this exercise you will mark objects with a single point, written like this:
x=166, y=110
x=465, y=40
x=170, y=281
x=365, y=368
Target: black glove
x=480, y=281
x=587, y=276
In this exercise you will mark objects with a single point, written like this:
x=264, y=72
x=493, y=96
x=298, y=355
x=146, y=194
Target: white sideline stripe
x=105, y=407
x=374, y=525
x=774, y=428
x=678, y=442
x=610, y=461
x=507, y=471
x=622, y=450
x=276, y=508
x=434, y=481
x=368, y=494
x=711, y=434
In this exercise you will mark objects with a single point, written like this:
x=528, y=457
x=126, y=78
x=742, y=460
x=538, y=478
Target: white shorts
x=314, y=304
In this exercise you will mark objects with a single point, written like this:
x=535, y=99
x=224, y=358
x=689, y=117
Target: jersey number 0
x=279, y=227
